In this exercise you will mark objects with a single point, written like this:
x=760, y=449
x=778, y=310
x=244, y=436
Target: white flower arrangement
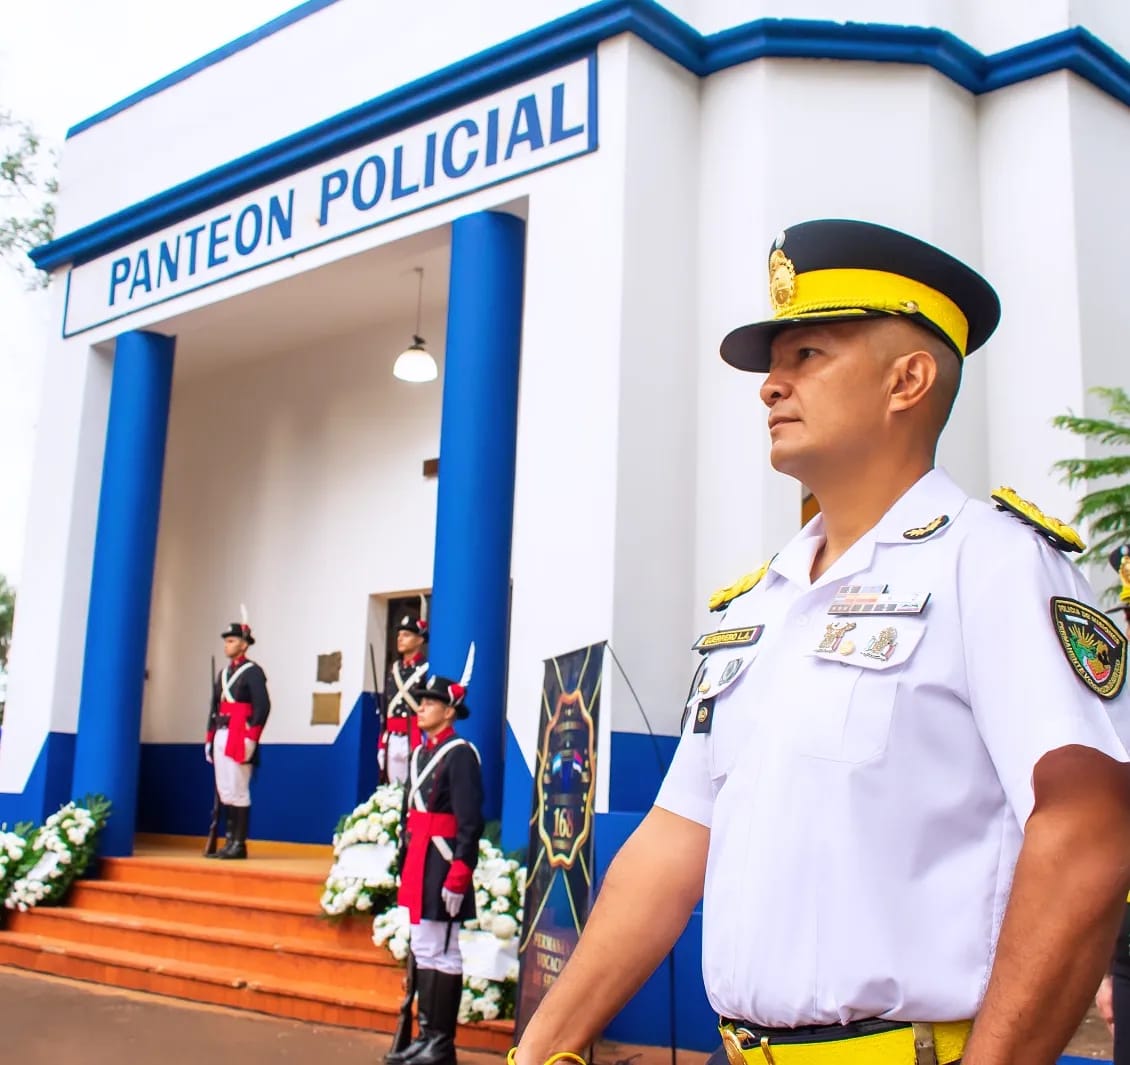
x=54, y=857
x=363, y=877
x=489, y=942
x=13, y=846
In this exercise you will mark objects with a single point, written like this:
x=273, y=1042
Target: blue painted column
x=474, y=520
x=107, y=748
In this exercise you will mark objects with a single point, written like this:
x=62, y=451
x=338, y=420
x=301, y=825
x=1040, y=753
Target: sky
x=61, y=62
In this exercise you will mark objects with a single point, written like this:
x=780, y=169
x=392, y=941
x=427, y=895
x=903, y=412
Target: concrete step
x=292, y=996
x=241, y=879
x=211, y=909
x=252, y=953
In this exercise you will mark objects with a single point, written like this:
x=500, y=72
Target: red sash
x=402, y=725
x=422, y=828
x=237, y=730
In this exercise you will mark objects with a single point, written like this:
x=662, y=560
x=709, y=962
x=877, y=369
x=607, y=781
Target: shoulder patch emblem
x=1056, y=532
x=931, y=527
x=725, y=596
x=1093, y=645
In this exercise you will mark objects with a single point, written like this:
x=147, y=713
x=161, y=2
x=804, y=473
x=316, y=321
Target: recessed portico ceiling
x=328, y=301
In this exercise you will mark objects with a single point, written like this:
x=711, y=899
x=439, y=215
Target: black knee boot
x=237, y=830
x=443, y=1016
x=425, y=990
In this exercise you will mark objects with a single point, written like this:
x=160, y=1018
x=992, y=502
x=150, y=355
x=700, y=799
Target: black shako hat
x=416, y=626
x=240, y=632
x=839, y=270
x=446, y=691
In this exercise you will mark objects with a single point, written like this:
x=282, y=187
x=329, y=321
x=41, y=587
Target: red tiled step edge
x=248, y=952
x=300, y=1000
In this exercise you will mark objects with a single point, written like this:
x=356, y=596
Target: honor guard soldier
x=240, y=707
x=400, y=734
x=443, y=822
x=900, y=791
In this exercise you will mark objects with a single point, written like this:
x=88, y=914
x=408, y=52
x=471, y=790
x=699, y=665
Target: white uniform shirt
x=866, y=813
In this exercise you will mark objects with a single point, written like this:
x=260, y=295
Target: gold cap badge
x=782, y=279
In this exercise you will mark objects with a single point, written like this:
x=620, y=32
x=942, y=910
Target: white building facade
x=591, y=195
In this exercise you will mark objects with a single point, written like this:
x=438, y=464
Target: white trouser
x=396, y=757
x=427, y=945
x=233, y=779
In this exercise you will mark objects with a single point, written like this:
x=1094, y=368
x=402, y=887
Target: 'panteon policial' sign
x=541, y=122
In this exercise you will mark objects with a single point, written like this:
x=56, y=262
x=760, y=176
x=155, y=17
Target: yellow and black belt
x=872, y=1042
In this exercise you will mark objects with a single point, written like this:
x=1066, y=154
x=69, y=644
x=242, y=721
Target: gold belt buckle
x=734, y=1043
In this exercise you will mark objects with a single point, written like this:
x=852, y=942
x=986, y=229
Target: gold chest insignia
x=782, y=280
x=1056, y=532
x=723, y=597
x=882, y=644
x=931, y=527
x=833, y=634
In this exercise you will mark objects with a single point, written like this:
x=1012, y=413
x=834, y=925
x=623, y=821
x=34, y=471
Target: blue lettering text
x=141, y=278
x=215, y=239
x=192, y=235
x=430, y=162
x=334, y=185
x=557, y=130
x=531, y=133
x=398, y=187
x=449, y=168
x=278, y=220
x=360, y=201
x=492, y=137
x=245, y=245
x=119, y=272
x=168, y=262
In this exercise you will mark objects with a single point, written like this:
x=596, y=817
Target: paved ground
x=47, y=1021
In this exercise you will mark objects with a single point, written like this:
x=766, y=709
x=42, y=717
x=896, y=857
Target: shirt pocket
x=843, y=711
x=730, y=715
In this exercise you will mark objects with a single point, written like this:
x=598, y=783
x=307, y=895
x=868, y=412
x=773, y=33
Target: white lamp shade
x=415, y=364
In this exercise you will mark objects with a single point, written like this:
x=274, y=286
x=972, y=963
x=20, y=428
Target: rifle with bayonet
x=217, y=806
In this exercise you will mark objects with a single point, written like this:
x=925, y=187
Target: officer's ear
x=912, y=379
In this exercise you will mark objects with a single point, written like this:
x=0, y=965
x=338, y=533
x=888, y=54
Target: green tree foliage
x=27, y=195
x=7, y=612
x=1105, y=510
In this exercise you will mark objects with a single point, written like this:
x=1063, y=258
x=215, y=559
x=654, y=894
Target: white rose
x=501, y=886
x=489, y=1011
x=500, y=905
x=486, y=920
x=482, y=900
x=504, y=927
x=364, y=903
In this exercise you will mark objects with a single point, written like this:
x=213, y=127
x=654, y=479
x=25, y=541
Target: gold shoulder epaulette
x=1056, y=532
x=725, y=596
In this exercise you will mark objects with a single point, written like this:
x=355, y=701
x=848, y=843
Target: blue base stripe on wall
x=49, y=785
x=297, y=793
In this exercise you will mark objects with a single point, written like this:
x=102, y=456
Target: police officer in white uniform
x=900, y=788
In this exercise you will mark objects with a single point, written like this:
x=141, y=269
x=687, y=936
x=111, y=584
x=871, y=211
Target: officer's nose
x=773, y=388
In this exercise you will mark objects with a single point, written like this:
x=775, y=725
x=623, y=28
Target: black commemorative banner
x=559, y=883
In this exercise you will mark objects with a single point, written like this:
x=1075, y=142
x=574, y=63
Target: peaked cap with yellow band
x=838, y=270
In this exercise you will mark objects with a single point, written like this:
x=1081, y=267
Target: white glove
x=249, y=750
x=381, y=758
x=452, y=902
x=208, y=751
